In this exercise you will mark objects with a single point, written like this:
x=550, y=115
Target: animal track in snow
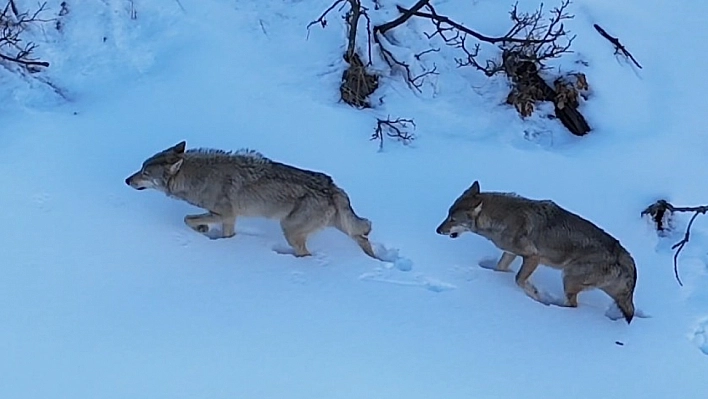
x=183, y=239
x=298, y=278
x=42, y=201
x=700, y=335
x=383, y=275
x=318, y=257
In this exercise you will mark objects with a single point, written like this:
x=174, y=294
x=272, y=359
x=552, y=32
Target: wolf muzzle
x=128, y=182
x=444, y=230
x=440, y=231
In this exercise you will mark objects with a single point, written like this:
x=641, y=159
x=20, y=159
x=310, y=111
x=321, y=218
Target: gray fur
x=245, y=183
x=542, y=232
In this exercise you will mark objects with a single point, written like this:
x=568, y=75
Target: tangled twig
x=658, y=210
x=395, y=129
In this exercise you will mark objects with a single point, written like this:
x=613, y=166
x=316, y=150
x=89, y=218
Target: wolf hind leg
x=304, y=220
x=505, y=262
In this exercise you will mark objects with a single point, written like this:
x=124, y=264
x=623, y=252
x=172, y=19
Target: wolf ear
x=474, y=189
x=179, y=147
x=174, y=168
x=477, y=209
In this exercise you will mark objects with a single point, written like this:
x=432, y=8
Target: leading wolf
x=541, y=232
x=246, y=183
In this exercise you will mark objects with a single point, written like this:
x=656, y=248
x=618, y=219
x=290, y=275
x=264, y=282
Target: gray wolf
x=245, y=183
x=541, y=232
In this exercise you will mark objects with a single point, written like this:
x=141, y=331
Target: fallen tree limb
x=619, y=48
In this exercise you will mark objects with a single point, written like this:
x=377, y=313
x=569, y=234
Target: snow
x=104, y=292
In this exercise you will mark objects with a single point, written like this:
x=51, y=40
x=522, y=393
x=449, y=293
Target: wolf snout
x=445, y=230
x=129, y=182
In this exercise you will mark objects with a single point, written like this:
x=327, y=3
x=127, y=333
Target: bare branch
x=405, y=16
x=413, y=81
x=659, y=209
x=396, y=129
x=12, y=48
x=619, y=48
x=322, y=19
x=509, y=38
x=422, y=53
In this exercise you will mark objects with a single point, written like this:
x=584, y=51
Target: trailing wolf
x=541, y=232
x=245, y=183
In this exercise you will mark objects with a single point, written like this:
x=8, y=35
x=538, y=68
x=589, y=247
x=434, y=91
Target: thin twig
x=619, y=48
x=475, y=34
x=658, y=209
x=405, y=16
x=321, y=20
x=396, y=129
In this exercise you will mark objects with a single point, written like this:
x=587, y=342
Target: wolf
x=541, y=232
x=246, y=183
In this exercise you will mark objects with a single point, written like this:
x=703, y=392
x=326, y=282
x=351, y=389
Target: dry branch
x=405, y=16
x=619, y=48
x=658, y=211
x=527, y=45
x=357, y=83
x=396, y=129
x=13, y=24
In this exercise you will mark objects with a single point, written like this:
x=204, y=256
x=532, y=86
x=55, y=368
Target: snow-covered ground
x=105, y=293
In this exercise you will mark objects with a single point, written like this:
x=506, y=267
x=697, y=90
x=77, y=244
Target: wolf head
x=158, y=169
x=462, y=214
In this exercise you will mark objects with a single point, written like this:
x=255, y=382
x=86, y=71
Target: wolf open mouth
x=454, y=235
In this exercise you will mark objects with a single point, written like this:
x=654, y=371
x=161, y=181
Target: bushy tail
x=348, y=222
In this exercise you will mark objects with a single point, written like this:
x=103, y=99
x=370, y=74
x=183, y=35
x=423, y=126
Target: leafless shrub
x=13, y=24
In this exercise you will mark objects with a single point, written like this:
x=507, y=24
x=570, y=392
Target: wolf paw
x=286, y=250
x=539, y=296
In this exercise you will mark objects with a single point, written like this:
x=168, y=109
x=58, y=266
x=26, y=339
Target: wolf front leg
x=228, y=227
x=527, y=268
x=200, y=223
x=573, y=285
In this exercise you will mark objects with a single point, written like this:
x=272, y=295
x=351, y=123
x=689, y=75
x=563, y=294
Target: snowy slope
x=104, y=291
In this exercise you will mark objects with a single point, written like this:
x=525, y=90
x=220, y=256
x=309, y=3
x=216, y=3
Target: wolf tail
x=348, y=222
